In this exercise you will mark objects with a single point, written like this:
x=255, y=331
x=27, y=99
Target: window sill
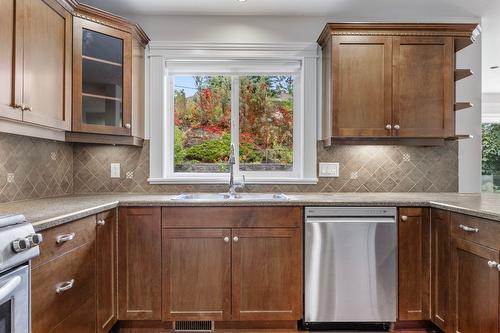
x=225, y=180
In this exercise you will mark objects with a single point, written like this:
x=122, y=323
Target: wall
x=34, y=168
x=363, y=169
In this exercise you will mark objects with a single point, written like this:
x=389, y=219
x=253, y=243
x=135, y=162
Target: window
x=490, y=178
x=257, y=105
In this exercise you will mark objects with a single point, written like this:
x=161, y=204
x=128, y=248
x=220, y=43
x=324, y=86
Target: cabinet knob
x=27, y=108
x=127, y=125
x=235, y=239
x=492, y=264
x=404, y=218
x=101, y=222
x=498, y=267
x=388, y=127
x=397, y=127
x=226, y=239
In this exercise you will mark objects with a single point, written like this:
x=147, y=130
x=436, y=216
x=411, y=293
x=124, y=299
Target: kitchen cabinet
x=108, y=81
x=139, y=263
x=389, y=82
x=440, y=267
x=106, y=290
x=414, y=264
x=266, y=265
x=362, y=79
x=197, y=274
x=253, y=254
x=423, y=87
x=36, y=52
x=474, y=287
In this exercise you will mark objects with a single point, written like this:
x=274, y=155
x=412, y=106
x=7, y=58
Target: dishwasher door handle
x=351, y=219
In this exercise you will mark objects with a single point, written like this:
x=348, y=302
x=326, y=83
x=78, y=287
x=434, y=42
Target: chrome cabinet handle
x=101, y=222
x=492, y=264
x=397, y=127
x=468, y=229
x=226, y=239
x=19, y=106
x=498, y=267
x=27, y=108
x=388, y=127
x=235, y=239
x=404, y=218
x=127, y=125
x=65, y=238
x=65, y=286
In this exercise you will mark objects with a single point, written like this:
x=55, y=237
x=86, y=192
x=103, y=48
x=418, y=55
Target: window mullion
x=235, y=120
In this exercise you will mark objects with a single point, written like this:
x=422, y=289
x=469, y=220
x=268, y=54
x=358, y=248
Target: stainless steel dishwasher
x=350, y=267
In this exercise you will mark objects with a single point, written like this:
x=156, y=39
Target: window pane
x=491, y=158
x=266, y=123
x=202, y=123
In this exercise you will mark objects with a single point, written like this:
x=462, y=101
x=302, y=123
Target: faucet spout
x=232, y=185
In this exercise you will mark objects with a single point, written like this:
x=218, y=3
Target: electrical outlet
x=329, y=169
x=115, y=170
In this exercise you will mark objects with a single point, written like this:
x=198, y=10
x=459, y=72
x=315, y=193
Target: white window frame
x=161, y=116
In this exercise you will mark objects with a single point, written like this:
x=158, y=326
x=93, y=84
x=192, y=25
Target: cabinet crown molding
x=460, y=30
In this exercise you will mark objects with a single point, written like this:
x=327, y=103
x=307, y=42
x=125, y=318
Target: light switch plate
x=115, y=170
x=329, y=169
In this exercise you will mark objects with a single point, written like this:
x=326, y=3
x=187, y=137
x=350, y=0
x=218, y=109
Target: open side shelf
x=120, y=140
x=461, y=43
x=463, y=105
x=460, y=137
x=462, y=74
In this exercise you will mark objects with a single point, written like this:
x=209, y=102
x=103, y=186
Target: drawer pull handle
x=65, y=286
x=492, y=264
x=65, y=238
x=468, y=229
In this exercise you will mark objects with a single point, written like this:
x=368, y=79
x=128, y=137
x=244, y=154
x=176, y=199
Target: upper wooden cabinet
x=35, y=62
x=108, y=81
x=391, y=81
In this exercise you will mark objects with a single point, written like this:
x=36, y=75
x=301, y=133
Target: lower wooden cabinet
x=241, y=273
x=139, y=263
x=106, y=290
x=414, y=264
x=83, y=320
x=440, y=267
x=266, y=267
x=196, y=274
x=474, y=287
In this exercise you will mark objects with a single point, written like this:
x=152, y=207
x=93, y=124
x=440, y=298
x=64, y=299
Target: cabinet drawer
x=482, y=231
x=64, y=238
x=231, y=217
x=50, y=307
x=80, y=321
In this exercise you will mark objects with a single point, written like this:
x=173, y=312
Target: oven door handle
x=7, y=289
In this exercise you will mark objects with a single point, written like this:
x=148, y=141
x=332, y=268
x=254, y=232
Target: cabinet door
x=7, y=61
x=440, y=267
x=423, y=87
x=47, y=33
x=474, y=287
x=362, y=89
x=81, y=321
x=139, y=275
x=102, y=86
x=196, y=274
x=267, y=274
x=414, y=262
x=106, y=271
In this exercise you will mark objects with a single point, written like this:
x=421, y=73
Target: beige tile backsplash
x=35, y=168
x=362, y=169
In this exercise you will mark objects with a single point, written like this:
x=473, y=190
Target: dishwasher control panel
x=350, y=211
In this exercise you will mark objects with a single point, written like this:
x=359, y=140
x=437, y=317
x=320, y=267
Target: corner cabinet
x=391, y=81
x=108, y=79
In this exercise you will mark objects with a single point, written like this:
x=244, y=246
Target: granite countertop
x=46, y=213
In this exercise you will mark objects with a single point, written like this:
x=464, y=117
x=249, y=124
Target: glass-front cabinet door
x=102, y=79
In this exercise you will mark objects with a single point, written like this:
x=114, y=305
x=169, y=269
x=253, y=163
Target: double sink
x=231, y=197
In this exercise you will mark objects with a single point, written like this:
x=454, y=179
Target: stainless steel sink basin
x=226, y=196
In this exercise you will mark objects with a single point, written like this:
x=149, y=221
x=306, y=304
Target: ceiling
x=338, y=8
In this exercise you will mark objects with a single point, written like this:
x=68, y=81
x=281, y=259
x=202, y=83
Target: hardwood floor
x=143, y=330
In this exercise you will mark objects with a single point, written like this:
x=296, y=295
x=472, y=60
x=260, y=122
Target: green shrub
x=179, y=152
x=212, y=151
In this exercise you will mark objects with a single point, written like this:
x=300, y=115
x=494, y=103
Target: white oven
x=18, y=245
x=15, y=300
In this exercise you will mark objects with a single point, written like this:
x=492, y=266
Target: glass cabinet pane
x=102, y=79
